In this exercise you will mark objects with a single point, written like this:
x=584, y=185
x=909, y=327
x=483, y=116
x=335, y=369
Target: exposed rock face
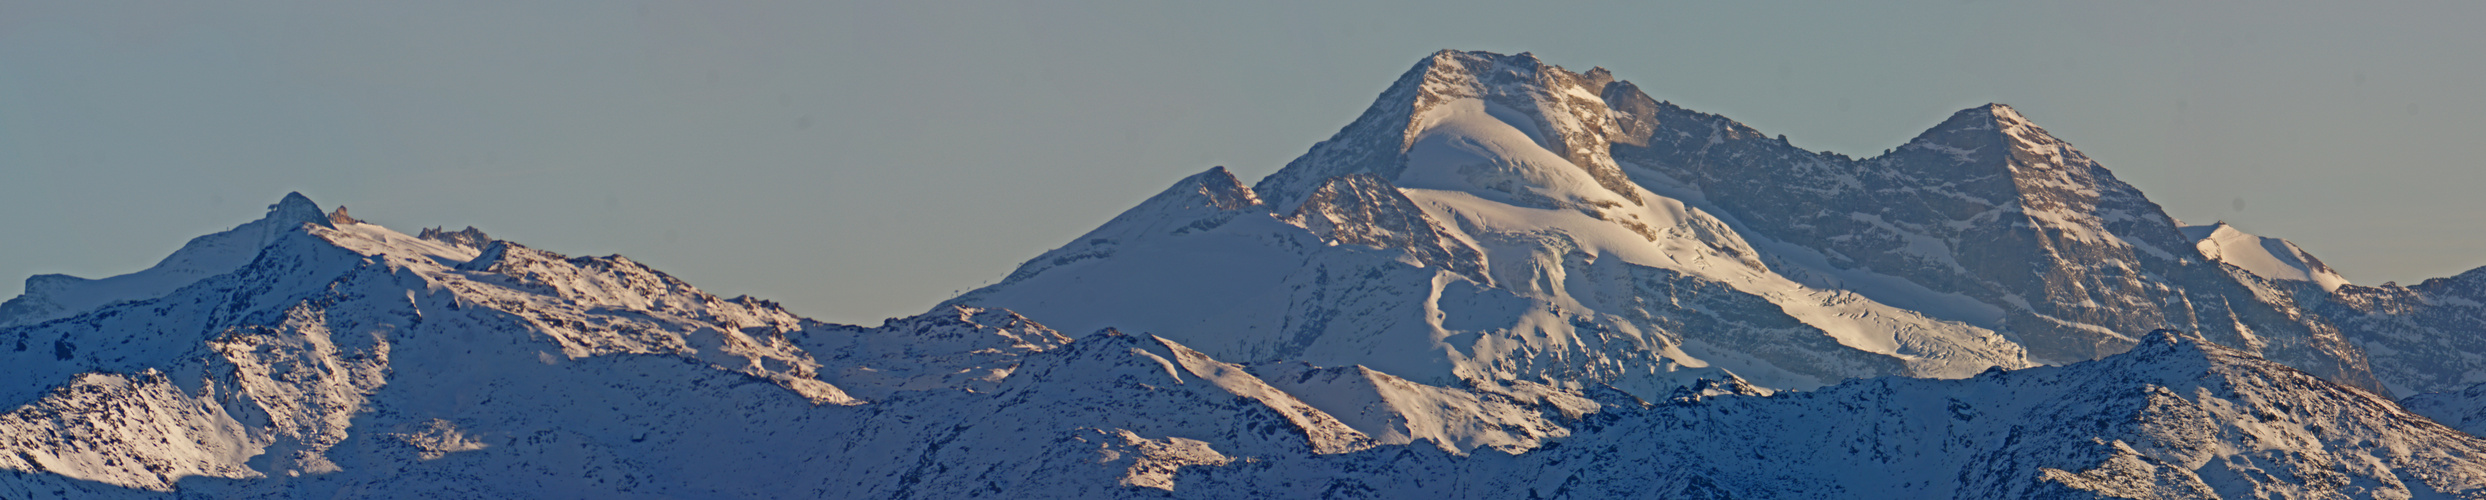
x=951, y=348
x=1363, y=209
x=2463, y=409
x=1987, y=206
x=2428, y=337
x=340, y=217
x=469, y=237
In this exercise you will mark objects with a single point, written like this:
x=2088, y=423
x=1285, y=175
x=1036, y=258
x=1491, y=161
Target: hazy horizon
x=862, y=161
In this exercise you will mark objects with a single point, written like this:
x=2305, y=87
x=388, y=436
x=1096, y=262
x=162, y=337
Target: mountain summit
x=53, y=296
x=1472, y=227
x=1987, y=219
x=2270, y=258
x=1501, y=125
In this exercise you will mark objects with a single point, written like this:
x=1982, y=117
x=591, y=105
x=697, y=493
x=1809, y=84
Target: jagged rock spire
x=469, y=238
x=339, y=217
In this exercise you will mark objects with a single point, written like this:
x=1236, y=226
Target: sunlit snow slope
x=53, y=296
x=2266, y=257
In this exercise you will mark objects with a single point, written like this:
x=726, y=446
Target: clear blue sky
x=864, y=160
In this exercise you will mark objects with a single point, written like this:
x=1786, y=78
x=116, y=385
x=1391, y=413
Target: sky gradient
x=857, y=161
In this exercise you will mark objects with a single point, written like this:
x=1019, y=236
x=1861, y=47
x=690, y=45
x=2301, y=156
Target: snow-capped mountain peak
x=1993, y=136
x=341, y=217
x=53, y=296
x=2041, y=240
x=469, y=237
x=2266, y=257
x=1473, y=226
x=1500, y=125
x=295, y=207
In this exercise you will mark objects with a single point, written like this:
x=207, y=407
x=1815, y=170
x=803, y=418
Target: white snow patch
x=2272, y=258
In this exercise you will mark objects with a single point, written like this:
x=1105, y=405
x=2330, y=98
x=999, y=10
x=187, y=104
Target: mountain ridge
x=1490, y=147
x=51, y=296
x=1506, y=279
x=2043, y=214
x=439, y=368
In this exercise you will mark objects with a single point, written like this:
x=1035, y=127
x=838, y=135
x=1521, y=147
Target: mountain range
x=1503, y=279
